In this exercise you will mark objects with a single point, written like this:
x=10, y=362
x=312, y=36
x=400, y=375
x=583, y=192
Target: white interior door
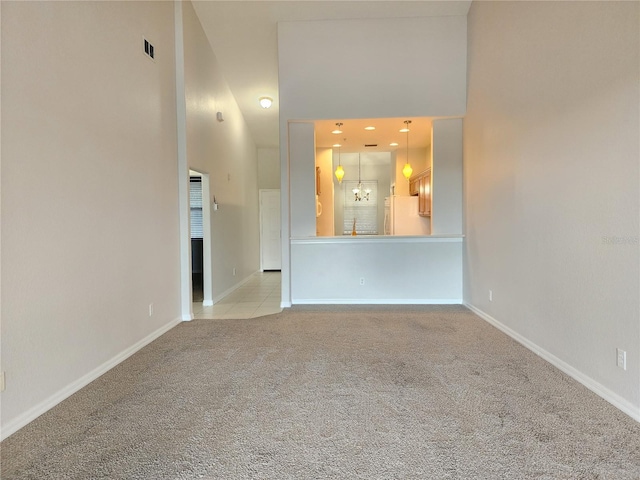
x=270, y=241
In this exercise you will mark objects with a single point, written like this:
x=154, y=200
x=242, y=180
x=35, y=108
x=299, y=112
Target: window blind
x=195, y=202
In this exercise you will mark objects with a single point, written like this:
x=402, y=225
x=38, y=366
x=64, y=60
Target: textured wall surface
x=89, y=190
x=227, y=153
x=551, y=148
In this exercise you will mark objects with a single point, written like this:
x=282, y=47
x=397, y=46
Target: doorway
x=270, y=236
x=197, y=236
x=200, y=237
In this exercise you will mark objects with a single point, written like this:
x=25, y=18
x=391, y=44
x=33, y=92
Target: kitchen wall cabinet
x=420, y=185
x=414, y=186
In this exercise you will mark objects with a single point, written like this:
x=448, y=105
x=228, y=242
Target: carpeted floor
x=331, y=393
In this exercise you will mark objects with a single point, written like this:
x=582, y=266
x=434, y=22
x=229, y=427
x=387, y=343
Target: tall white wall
x=302, y=155
x=424, y=74
x=551, y=148
x=89, y=193
x=388, y=68
x=446, y=177
x=269, y=168
x=224, y=150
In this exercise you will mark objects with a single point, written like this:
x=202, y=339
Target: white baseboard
x=207, y=303
x=231, y=289
x=596, y=387
x=186, y=318
x=34, y=412
x=375, y=301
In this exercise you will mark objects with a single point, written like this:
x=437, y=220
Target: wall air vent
x=148, y=49
x=370, y=144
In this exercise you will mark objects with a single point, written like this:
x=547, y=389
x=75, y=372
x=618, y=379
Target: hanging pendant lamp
x=339, y=171
x=407, y=170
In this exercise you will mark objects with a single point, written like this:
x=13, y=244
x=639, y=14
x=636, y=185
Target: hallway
x=259, y=296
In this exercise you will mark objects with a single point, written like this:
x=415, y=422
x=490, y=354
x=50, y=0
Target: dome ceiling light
x=265, y=102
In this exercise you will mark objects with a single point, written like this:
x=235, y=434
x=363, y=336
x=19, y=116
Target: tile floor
x=259, y=296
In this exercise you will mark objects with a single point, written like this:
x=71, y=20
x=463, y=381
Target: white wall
x=226, y=151
x=388, y=68
x=430, y=53
x=268, y=168
x=89, y=193
x=302, y=155
x=446, y=177
x=551, y=148
x=410, y=270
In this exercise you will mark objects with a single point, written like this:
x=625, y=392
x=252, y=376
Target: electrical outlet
x=234, y=272
x=150, y=309
x=621, y=358
x=2, y=382
x=491, y=295
x=361, y=280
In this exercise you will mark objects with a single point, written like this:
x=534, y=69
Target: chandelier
x=360, y=192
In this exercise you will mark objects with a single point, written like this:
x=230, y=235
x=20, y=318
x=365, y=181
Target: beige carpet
x=331, y=393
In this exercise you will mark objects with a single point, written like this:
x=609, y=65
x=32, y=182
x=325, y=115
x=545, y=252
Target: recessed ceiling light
x=336, y=145
x=369, y=128
x=404, y=130
x=394, y=144
x=337, y=131
x=265, y=102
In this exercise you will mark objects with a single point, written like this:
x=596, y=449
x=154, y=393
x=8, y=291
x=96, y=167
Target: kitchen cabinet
x=420, y=186
x=414, y=186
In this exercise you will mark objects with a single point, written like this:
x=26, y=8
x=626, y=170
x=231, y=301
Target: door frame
x=260, y=192
x=207, y=269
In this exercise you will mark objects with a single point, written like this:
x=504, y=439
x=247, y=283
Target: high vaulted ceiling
x=243, y=35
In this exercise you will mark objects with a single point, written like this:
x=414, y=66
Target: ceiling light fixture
x=339, y=173
x=394, y=144
x=369, y=128
x=265, y=102
x=360, y=192
x=407, y=170
x=337, y=131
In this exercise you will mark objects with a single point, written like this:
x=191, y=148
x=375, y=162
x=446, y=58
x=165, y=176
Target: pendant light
x=360, y=192
x=407, y=170
x=339, y=171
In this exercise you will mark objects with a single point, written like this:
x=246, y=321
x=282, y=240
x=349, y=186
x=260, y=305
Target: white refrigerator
x=401, y=217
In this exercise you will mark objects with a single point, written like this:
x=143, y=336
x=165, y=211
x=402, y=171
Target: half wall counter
x=377, y=269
